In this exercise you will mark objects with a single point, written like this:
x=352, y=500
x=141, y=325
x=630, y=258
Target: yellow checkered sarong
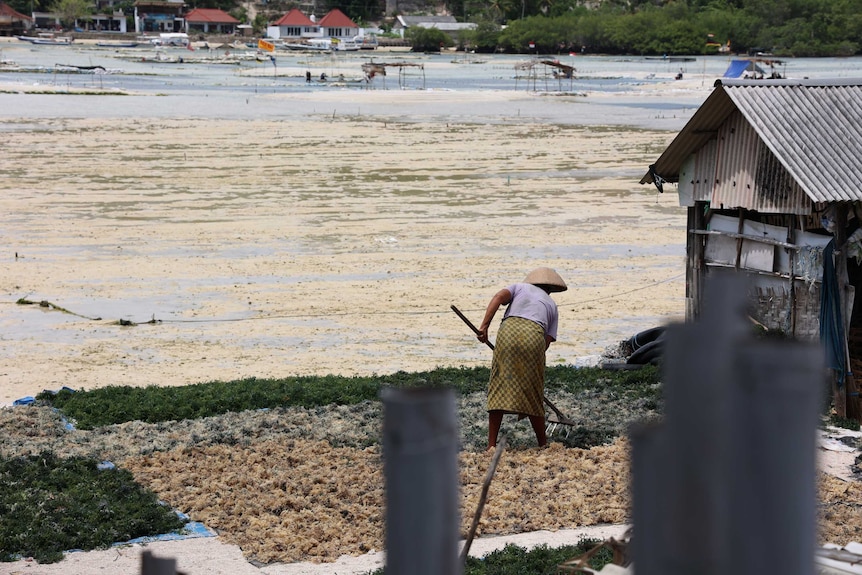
x=517, y=382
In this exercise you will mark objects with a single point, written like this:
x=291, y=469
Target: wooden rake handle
x=470, y=324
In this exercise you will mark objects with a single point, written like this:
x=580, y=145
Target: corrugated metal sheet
x=702, y=127
x=808, y=131
x=733, y=185
x=697, y=175
x=749, y=175
x=815, y=131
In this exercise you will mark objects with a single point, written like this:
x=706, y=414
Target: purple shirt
x=533, y=303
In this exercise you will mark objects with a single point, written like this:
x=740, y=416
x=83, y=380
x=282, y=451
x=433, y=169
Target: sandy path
x=326, y=245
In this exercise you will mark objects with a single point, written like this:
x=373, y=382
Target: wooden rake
x=556, y=418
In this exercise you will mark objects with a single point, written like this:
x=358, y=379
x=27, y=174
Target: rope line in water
x=124, y=322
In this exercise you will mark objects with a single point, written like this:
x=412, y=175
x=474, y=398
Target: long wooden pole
x=470, y=325
x=501, y=445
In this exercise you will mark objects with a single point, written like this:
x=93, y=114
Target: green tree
x=70, y=11
x=500, y=9
x=358, y=10
x=786, y=27
x=226, y=5
x=258, y=26
x=547, y=35
x=240, y=13
x=485, y=38
x=27, y=6
x=427, y=39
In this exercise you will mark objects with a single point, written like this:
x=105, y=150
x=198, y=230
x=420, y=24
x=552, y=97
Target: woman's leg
x=538, y=423
x=495, y=420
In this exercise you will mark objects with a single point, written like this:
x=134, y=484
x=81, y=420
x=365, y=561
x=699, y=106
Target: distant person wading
x=517, y=383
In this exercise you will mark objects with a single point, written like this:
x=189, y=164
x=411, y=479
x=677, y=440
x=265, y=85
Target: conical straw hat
x=546, y=278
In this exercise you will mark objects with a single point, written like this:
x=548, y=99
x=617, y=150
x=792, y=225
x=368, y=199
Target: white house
x=446, y=24
x=294, y=25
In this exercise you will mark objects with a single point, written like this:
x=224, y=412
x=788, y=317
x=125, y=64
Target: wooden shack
x=770, y=172
x=13, y=22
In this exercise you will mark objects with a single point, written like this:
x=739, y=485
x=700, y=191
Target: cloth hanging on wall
x=831, y=323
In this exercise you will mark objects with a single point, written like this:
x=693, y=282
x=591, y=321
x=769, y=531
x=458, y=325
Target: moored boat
x=48, y=39
x=116, y=44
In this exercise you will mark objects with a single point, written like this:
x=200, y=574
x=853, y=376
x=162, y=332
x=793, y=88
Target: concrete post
x=420, y=456
x=727, y=483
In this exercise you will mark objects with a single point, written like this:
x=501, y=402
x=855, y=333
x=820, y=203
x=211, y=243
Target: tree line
x=801, y=28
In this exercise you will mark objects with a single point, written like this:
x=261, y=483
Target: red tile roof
x=337, y=19
x=7, y=10
x=212, y=15
x=294, y=18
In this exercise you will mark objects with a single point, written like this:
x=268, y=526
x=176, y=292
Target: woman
x=529, y=326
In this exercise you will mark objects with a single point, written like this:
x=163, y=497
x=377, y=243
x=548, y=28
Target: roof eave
x=703, y=125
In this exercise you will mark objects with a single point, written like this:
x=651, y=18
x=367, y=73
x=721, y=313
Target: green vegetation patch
x=153, y=404
x=641, y=383
x=844, y=422
x=49, y=505
x=541, y=560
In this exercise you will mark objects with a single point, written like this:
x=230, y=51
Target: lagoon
x=625, y=88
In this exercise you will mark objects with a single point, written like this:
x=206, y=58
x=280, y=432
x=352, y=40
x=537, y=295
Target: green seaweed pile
x=49, y=505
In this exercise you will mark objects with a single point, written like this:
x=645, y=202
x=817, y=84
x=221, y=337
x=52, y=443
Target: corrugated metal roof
x=749, y=175
x=812, y=127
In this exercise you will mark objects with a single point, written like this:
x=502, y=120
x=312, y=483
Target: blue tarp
x=738, y=67
x=192, y=530
x=30, y=400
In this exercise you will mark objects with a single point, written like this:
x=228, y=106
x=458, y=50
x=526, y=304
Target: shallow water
x=252, y=89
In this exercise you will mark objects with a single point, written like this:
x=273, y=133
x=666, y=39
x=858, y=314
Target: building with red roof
x=210, y=20
x=13, y=22
x=336, y=24
x=294, y=24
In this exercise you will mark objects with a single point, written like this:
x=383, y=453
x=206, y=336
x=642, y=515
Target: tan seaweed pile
x=300, y=500
x=297, y=500
x=293, y=484
x=839, y=511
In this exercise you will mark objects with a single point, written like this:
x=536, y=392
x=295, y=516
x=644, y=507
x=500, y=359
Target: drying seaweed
x=49, y=505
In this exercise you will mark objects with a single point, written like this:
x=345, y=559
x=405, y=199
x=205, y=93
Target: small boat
x=667, y=58
x=48, y=39
x=162, y=58
x=331, y=44
x=345, y=46
x=171, y=39
x=110, y=44
x=306, y=47
x=54, y=41
x=366, y=42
